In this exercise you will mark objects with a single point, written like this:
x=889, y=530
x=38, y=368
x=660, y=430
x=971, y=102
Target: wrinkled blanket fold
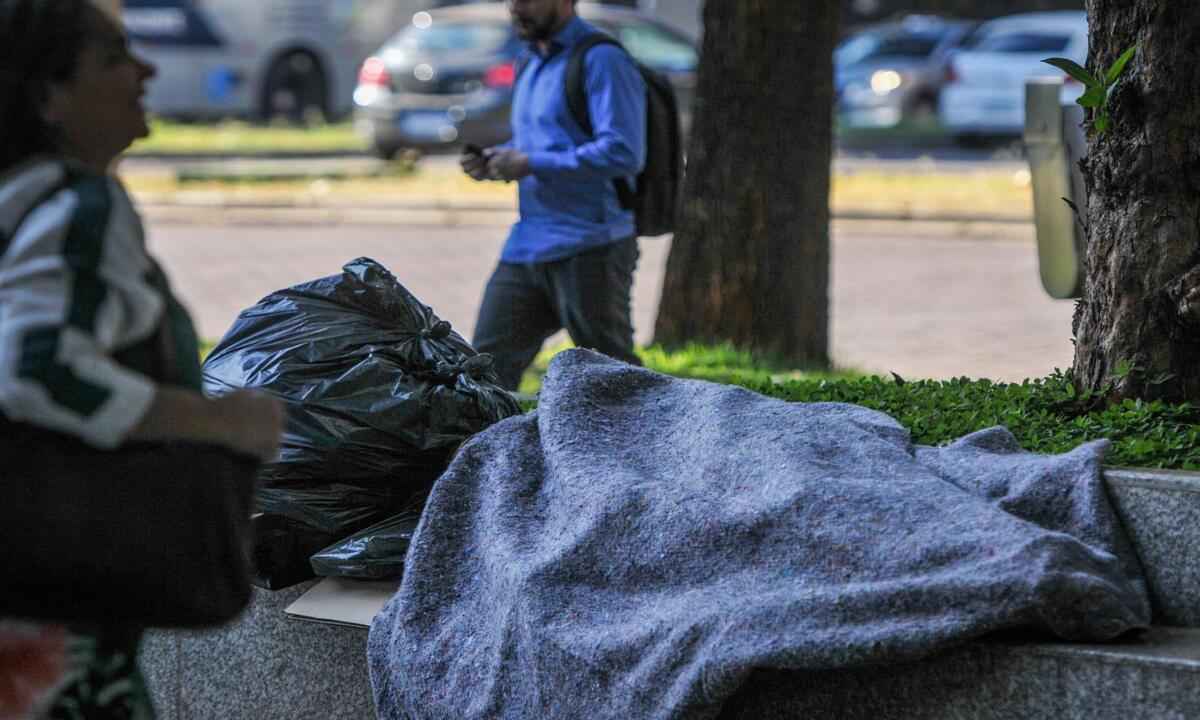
x=640, y=544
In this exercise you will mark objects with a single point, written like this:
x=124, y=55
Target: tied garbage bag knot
x=438, y=331
x=477, y=368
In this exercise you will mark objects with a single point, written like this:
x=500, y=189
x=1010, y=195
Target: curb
x=220, y=203
x=242, y=155
x=218, y=212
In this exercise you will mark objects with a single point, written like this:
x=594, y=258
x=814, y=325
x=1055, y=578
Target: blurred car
x=447, y=78
x=984, y=92
x=892, y=73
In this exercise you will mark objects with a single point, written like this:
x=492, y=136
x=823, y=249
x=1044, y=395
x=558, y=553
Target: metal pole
x=1053, y=164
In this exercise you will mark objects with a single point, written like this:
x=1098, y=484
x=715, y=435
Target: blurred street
x=919, y=299
x=855, y=158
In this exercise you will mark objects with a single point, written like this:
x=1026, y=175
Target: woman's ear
x=53, y=105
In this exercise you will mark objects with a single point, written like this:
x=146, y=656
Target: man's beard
x=539, y=31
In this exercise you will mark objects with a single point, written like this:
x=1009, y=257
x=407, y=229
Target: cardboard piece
x=345, y=602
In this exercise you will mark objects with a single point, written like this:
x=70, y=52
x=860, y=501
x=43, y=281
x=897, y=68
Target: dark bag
x=301, y=519
x=376, y=553
x=655, y=201
x=380, y=392
x=151, y=535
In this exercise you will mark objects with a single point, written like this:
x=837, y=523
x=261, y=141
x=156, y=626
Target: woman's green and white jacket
x=77, y=289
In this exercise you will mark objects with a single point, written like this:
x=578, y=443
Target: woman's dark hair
x=40, y=43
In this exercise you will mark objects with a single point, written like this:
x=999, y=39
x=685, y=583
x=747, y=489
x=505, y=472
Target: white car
x=984, y=92
x=259, y=58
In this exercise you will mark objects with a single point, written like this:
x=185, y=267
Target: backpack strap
x=575, y=83
x=576, y=90
x=519, y=66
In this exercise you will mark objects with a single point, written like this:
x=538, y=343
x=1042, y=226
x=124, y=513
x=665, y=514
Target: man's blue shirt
x=569, y=204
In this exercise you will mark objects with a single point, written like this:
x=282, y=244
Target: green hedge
x=1046, y=414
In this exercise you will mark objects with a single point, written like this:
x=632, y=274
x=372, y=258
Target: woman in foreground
x=94, y=348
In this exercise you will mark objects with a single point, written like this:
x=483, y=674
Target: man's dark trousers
x=589, y=294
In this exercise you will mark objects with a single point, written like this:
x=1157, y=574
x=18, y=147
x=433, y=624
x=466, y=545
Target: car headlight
x=885, y=81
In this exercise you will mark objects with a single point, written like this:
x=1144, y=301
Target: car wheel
x=970, y=140
x=295, y=90
x=923, y=112
x=384, y=151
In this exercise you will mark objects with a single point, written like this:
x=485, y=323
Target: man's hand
x=507, y=165
x=475, y=164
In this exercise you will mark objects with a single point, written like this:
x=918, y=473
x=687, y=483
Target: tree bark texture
x=750, y=260
x=1138, y=322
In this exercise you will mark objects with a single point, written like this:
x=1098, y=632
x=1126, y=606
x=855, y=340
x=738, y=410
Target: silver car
x=893, y=73
x=447, y=78
x=985, y=93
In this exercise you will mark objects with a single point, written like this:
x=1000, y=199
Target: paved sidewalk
x=913, y=298
x=331, y=163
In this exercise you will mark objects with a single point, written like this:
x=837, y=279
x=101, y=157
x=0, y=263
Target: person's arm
x=66, y=299
x=246, y=421
x=59, y=318
x=617, y=106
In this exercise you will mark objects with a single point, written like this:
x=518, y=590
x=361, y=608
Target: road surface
x=917, y=299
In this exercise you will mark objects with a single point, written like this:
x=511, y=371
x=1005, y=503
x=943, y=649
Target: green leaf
x=1101, y=123
x=1073, y=69
x=1093, y=98
x=1118, y=67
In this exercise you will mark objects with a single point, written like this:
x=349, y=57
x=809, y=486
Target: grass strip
x=993, y=193
x=242, y=138
x=1047, y=415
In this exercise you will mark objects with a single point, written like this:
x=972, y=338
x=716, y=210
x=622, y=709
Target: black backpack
x=656, y=199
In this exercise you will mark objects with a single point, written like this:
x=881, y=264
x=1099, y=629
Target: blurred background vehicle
x=447, y=78
x=683, y=15
x=984, y=94
x=266, y=59
x=892, y=73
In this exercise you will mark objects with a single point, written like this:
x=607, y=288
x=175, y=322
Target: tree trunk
x=1137, y=325
x=750, y=260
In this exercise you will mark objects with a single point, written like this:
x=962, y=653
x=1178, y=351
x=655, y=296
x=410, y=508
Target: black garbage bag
x=379, y=394
x=376, y=553
x=296, y=521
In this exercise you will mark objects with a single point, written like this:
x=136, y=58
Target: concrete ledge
x=263, y=666
x=1161, y=511
x=266, y=666
x=1157, y=676
x=1163, y=480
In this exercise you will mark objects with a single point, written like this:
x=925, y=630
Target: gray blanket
x=640, y=544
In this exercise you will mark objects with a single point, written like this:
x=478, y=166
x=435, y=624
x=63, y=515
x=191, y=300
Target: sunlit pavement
x=918, y=299
x=947, y=160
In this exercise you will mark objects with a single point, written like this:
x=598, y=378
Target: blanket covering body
x=640, y=544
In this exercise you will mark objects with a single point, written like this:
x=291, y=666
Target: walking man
x=569, y=260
